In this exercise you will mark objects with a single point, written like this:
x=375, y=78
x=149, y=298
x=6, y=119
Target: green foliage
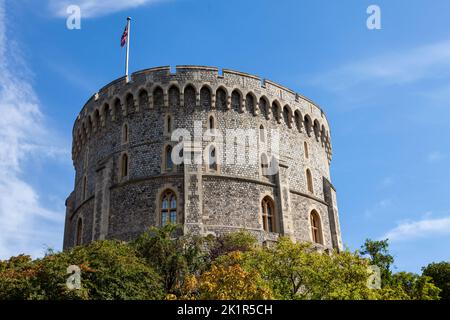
x=378, y=253
x=415, y=287
x=440, y=276
x=297, y=271
x=172, y=257
x=109, y=270
x=162, y=263
x=237, y=241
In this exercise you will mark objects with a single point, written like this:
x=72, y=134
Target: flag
x=124, y=38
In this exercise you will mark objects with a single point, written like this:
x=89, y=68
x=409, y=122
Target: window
x=190, y=97
x=221, y=99
x=205, y=98
x=168, y=208
x=168, y=125
x=125, y=133
x=305, y=146
x=308, y=125
x=287, y=116
x=143, y=98
x=263, y=107
x=236, y=101
x=211, y=122
x=250, y=103
x=276, y=111
x=174, y=97
x=316, y=230
x=158, y=98
x=268, y=214
x=309, y=181
x=130, y=103
x=212, y=159
x=79, y=234
x=262, y=133
x=168, y=163
x=264, y=165
x=124, y=166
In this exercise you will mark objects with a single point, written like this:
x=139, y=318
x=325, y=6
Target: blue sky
x=386, y=93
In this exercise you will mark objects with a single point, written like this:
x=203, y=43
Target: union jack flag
x=124, y=38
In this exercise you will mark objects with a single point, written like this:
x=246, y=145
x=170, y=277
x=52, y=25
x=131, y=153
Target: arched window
x=316, y=229
x=125, y=133
x=221, y=99
x=190, y=97
x=236, y=101
x=276, y=111
x=262, y=133
x=79, y=234
x=168, y=208
x=143, y=98
x=268, y=214
x=84, y=189
x=124, y=166
x=305, y=146
x=205, y=98
x=211, y=123
x=264, y=165
x=250, y=103
x=168, y=163
x=97, y=119
x=287, y=116
x=263, y=107
x=117, y=108
x=212, y=163
x=298, y=120
x=309, y=181
x=174, y=97
x=317, y=130
x=158, y=97
x=105, y=113
x=130, y=102
x=308, y=125
x=168, y=125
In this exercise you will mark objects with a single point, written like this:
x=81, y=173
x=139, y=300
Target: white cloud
x=23, y=137
x=424, y=228
x=435, y=156
x=96, y=8
x=425, y=62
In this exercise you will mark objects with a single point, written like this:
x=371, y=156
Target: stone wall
x=208, y=201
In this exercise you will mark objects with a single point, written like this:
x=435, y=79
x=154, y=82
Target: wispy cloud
x=407, y=66
x=424, y=228
x=97, y=8
x=23, y=137
x=435, y=156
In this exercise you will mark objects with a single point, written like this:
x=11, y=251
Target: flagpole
x=128, y=47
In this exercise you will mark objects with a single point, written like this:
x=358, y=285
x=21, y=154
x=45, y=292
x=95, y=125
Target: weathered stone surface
x=208, y=200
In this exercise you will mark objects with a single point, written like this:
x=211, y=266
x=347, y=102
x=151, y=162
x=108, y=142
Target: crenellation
x=125, y=180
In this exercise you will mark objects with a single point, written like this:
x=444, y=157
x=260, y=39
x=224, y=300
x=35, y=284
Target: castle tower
x=271, y=146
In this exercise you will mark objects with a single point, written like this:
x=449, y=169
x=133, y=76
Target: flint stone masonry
x=209, y=201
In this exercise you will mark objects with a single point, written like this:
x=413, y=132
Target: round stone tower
x=213, y=152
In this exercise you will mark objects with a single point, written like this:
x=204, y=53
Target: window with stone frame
x=268, y=214
x=316, y=229
x=168, y=208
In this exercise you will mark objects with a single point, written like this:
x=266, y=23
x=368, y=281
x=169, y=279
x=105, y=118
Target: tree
x=173, y=256
x=228, y=280
x=440, y=276
x=109, y=270
x=236, y=241
x=378, y=253
x=299, y=271
x=416, y=287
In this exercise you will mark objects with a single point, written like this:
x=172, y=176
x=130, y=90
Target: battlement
x=150, y=87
